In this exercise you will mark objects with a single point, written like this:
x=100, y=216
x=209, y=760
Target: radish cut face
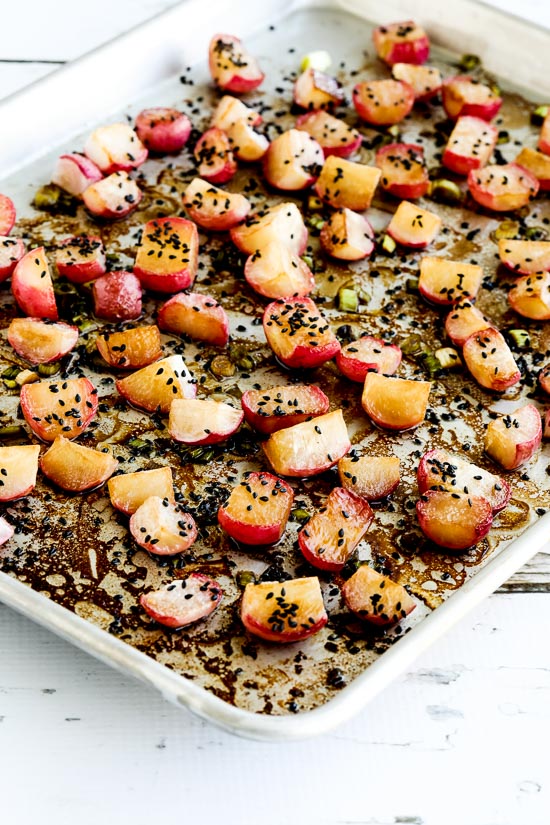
x=284, y=612
x=257, y=510
x=39, y=342
x=167, y=257
x=425, y=81
x=276, y=408
x=443, y=470
x=371, y=477
x=445, y=282
x=344, y=184
x=404, y=172
x=81, y=258
x=309, y=448
x=214, y=156
x=293, y=161
x=76, y=468
x=54, y=408
x=196, y=315
x=502, y=188
x=203, y=421
x=463, y=320
x=465, y=96
x=530, y=296
x=130, y=349
x=395, y=403
x=115, y=148
x=455, y=521
x=470, y=145
x=375, y=598
x=317, y=90
x=412, y=226
x=383, y=102
x=525, y=257
x=214, y=208
x=333, y=135
x=163, y=528
x=183, y=601
x=18, y=469
x=129, y=490
x=112, y=197
x=368, y=354
x=490, y=360
x=11, y=252
x=275, y=272
x=298, y=333
x=511, y=440
x=32, y=286
x=347, y=236
x=155, y=387
x=283, y=222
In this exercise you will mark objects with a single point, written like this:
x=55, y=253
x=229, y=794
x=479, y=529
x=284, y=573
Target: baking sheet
x=84, y=559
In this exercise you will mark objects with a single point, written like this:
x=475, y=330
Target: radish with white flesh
x=203, y=421
x=41, y=342
x=367, y=354
x=317, y=90
x=81, y=258
x=333, y=135
x=445, y=282
x=524, y=257
x=347, y=236
x=32, y=287
x=538, y=164
x=232, y=68
x=215, y=160
x=404, y=171
x=375, y=598
x=293, y=161
x=331, y=535
x=544, y=139
x=404, y=42
x=309, y=448
x=112, y=197
x=412, y=226
x=18, y=469
x=115, y=148
x=425, y=81
x=130, y=349
x=6, y=531
x=443, y=470
x=129, y=491
x=167, y=256
x=76, y=468
x=455, y=521
x=372, y=477
x=490, y=360
x=530, y=296
x=395, y=403
x=53, y=408
x=345, y=184
x=275, y=272
x=544, y=379
x=502, y=188
x=11, y=252
x=257, y=510
x=153, y=388
x=470, y=145
x=463, y=320
x=214, y=208
x=117, y=296
x=7, y=215
x=183, y=601
x=276, y=408
x=196, y=315
x=513, y=439
x=163, y=528
x=383, y=102
x=230, y=110
x=284, y=612
x=283, y=222
x=247, y=144
x=298, y=333
x=74, y=173
x=463, y=96
x=162, y=130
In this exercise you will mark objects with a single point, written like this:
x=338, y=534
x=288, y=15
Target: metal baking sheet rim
x=163, y=59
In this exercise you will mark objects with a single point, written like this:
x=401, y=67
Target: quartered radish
x=502, y=188
x=367, y=354
x=214, y=208
x=162, y=130
x=464, y=96
x=333, y=135
x=230, y=110
x=283, y=222
x=425, y=81
x=213, y=154
x=18, y=469
x=345, y=184
x=76, y=468
x=269, y=410
x=257, y=510
x=375, y=598
x=309, y=448
x=74, y=172
x=130, y=349
x=298, y=333
x=490, y=360
x=395, y=403
x=276, y=272
x=445, y=282
x=317, y=90
x=525, y=257
x=405, y=42
x=513, y=439
x=383, y=102
x=372, y=477
x=183, y=601
x=470, y=145
x=463, y=320
x=196, y=315
x=163, y=528
x=232, y=68
x=128, y=491
x=53, y=408
x=443, y=470
x=154, y=388
x=293, y=161
x=538, y=164
x=117, y=296
x=455, y=521
x=112, y=197
x=167, y=256
x=6, y=531
x=115, y=148
x=247, y=144
x=544, y=379
x=530, y=296
x=80, y=258
x=41, y=342
x=32, y=287
x=544, y=139
x=284, y=612
x=7, y=214
x=203, y=420
x=11, y=252
x=412, y=226
x=347, y=236
x=404, y=172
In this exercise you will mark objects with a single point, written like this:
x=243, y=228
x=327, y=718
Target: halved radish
x=130, y=349
x=117, y=296
x=11, y=252
x=309, y=448
x=345, y=184
x=163, y=130
x=298, y=333
x=283, y=222
x=115, y=148
x=293, y=161
x=214, y=157
x=18, y=469
x=257, y=510
x=538, y=164
x=203, y=421
x=183, y=601
x=405, y=42
x=544, y=139
x=455, y=521
x=513, y=439
x=74, y=172
x=502, y=188
x=425, y=81
x=470, y=145
x=155, y=387
x=53, y=408
x=230, y=110
x=372, y=477
x=544, y=379
x=463, y=320
x=40, y=342
x=395, y=403
x=446, y=282
x=232, y=68
x=76, y=468
x=196, y=315
x=128, y=491
x=275, y=272
x=367, y=354
x=112, y=197
x=213, y=208
x=443, y=470
x=317, y=90
x=163, y=528
x=7, y=214
x=6, y=531
x=80, y=258
x=273, y=409
x=490, y=360
x=530, y=296
x=284, y=612
x=32, y=286
x=333, y=135
x=167, y=256
x=404, y=172
x=464, y=95
x=375, y=598
x=412, y=226
x=247, y=144
x=383, y=102
x=347, y=236
x=331, y=535
x=525, y=257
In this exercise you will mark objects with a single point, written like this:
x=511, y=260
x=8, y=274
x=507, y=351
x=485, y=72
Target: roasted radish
x=412, y=226
x=163, y=131
x=309, y=448
x=112, y=197
x=425, y=81
x=247, y=144
x=41, y=342
x=275, y=408
x=284, y=612
x=6, y=531
x=183, y=601
x=7, y=214
x=203, y=421
x=115, y=148
x=401, y=43
x=167, y=256
x=367, y=354
x=80, y=258
x=333, y=135
x=490, y=360
x=153, y=388
x=502, y=188
x=445, y=282
x=530, y=296
x=196, y=315
x=276, y=272
x=215, y=160
x=372, y=477
x=129, y=490
x=383, y=102
x=347, y=236
x=442, y=470
x=74, y=173
x=524, y=257
x=54, y=408
x=395, y=403
x=404, y=172
x=230, y=110
x=544, y=379
x=213, y=208
x=317, y=90
x=130, y=349
x=32, y=286
x=232, y=68
x=465, y=96
x=463, y=320
x=455, y=521
x=470, y=145
x=76, y=468
x=257, y=510
x=18, y=469
x=293, y=161
x=117, y=296
x=513, y=439
x=375, y=598
x=298, y=333
x=163, y=528
x=11, y=252
x=544, y=139
x=344, y=184
x=538, y=164
x=283, y=222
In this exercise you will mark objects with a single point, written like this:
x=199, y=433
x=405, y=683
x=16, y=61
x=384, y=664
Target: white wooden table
x=462, y=739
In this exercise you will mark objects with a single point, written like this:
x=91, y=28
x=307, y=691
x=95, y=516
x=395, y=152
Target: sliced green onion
x=49, y=369
x=348, y=300
x=536, y=233
x=520, y=337
x=539, y=114
x=47, y=197
x=11, y=431
x=222, y=366
x=469, y=62
x=299, y=514
x=412, y=345
x=506, y=229
x=503, y=137
x=112, y=258
x=394, y=131
x=86, y=325
x=446, y=191
x=447, y=357
x=245, y=577
x=319, y=60
x=138, y=443
x=307, y=259
x=315, y=222
x=412, y=284
x=10, y=373
x=388, y=245
x=431, y=363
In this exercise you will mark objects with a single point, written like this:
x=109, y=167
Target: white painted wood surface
x=460, y=740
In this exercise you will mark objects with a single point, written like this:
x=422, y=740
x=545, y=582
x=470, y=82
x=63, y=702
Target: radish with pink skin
x=183, y=601
x=470, y=145
x=544, y=139
x=81, y=258
x=76, y=468
x=257, y=510
x=309, y=448
x=113, y=197
x=284, y=612
x=247, y=144
x=445, y=282
x=544, y=379
x=347, y=236
x=275, y=272
x=18, y=469
x=232, y=68
x=162, y=528
x=298, y=333
x=214, y=208
x=425, y=81
x=368, y=354
x=317, y=90
x=167, y=256
x=383, y=102
x=115, y=148
x=32, y=287
x=538, y=164
x=41, y=342
x=6, y=531
x=463, y=320
x=524, y=257
x=513, y=439
x=530, y=296
x=54, y=408
x=117, y=296
x=502, y=188
x=375, y=598
x=293, y=161
x=230, y=110
x=395, y=403
x=129, y=491
x=162, y=130
x=131, y=348
x=490, y=360
x=464, y=96
x=283, y=222
x=7, y=215
x=214, y=157
x=405, y=42
x=202, y=421
x=196, y=315
x=153, y=388
x=455, y=521
x=269, y=410
x=11, y=252
x=333, y=135
x=412, y=226
x=443, y=470
x=74, y=173
x=404, y=172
